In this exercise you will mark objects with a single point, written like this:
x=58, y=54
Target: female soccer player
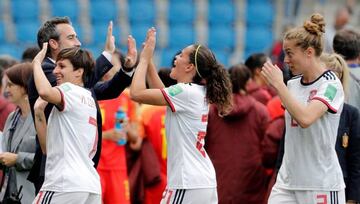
x=200, y=81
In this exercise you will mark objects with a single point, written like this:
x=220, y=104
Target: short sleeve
x=331, y=94
x=176, y=96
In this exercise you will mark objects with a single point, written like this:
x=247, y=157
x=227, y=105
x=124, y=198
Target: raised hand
x=272, y=74
x=131, y=56
x=149, y=44
x=110, y=39
x=39, y=58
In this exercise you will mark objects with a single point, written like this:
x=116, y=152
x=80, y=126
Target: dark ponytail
x=215, y=77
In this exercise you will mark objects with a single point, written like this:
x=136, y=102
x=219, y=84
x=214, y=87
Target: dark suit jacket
x=349, y=152
x=100, y=91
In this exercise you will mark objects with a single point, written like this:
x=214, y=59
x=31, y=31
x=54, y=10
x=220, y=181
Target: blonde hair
x=309, y=35
x=337, y=64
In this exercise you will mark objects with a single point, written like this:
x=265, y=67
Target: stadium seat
x=10, y=49
x=258, y=39
x=141, y=11
x=221, y=13
x=99, y=31
x=2, y=32
x=103, y=11
x=222, y=57
x=260, y=14
x=68, y=8
x=167, y=55
x=221, y=37
x=27, y=32
x=25, y=10
x=181, y=12
x=138, y=31
x=181, y=36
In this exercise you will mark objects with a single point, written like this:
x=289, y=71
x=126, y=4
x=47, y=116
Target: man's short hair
x=347, y=43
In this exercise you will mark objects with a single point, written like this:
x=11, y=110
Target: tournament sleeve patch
x=330, y=92
x=66, y=87
x=168, y=100
x=175, y=90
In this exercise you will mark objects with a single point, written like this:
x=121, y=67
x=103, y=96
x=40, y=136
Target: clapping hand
x=110, y=39
x=131, y=56
x=149, y=45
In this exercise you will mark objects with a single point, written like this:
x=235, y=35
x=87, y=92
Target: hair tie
x=196, y=67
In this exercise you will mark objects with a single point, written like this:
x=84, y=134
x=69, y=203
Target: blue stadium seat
x=221, y=37
x=181, y=36
x=99, y=32
x=10, y=49
x=138, y=31
x=103, y=11
x=258, y=39
x=258, y=1
x=27, y=32
x=141, y=11
x=181, y=12
x=167, y=55
x=68, y=8
x=2, y=32
x=222, y=57
x=25, y=10
x=221, y=13
x=259, y=14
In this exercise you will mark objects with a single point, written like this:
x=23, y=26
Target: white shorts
x=190, y=196
x=282, y=196
x=50, y=197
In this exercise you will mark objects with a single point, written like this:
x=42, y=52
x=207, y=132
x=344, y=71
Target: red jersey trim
x=332, y=109
x=168, y=100
x=61, y=107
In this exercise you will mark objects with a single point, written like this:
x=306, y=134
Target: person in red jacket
x=257, y=87
x=236, y=155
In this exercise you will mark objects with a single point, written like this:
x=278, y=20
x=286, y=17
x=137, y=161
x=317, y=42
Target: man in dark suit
x=59, y=34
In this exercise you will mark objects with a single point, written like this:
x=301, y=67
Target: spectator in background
x=200, y=81
x=29, y=54
x=341, y=20
x=347, y=44
x=6, y=61
x=348, y=137
x=6, y=107
x=236, y=155
x=257, y=86
x=19, y=134
x=310, y=172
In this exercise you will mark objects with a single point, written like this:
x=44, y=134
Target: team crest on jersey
x=66, y=87
x=330, y=92
x=312, y=94
x=175, y=90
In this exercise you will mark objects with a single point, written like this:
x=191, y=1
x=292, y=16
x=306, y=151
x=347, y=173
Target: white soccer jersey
x=310, y=161
x=188, y=164
x=71, y=143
